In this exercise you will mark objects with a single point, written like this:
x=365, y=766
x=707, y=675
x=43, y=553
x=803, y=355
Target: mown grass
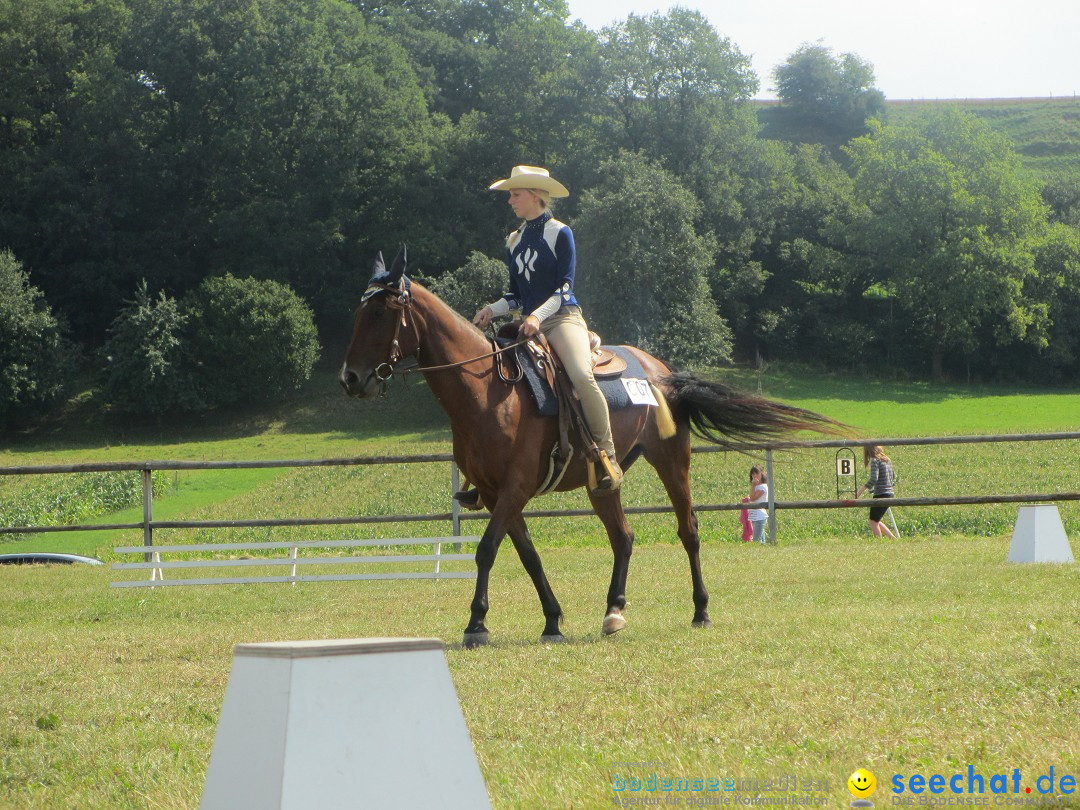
x=830, y=651
x=920, y=657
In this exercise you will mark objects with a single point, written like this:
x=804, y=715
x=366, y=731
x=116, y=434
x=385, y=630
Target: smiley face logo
x=862, y=783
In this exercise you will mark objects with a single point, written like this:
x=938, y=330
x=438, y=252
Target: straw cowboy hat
x=531, y=177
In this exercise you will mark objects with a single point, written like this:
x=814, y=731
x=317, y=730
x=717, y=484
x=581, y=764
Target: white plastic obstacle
x=345, y=723
x=1039, y=536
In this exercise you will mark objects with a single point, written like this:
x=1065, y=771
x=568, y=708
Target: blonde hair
x=873, y=451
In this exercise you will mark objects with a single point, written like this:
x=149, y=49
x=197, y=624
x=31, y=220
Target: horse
x=502, y=443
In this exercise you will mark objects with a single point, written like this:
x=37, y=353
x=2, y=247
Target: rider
x=541, y=259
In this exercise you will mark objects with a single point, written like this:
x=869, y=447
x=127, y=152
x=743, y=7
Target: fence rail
x=148, y=525
x=157, y=567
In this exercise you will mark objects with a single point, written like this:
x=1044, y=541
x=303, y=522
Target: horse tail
x=734, y=419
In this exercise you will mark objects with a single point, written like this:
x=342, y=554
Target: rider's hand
x=529, y=327
x=482, y=317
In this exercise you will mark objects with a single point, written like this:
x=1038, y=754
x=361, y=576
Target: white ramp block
x=346, y=723
x=1039, y=536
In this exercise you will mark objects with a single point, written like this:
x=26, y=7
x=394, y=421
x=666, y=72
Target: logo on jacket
x=526, y=262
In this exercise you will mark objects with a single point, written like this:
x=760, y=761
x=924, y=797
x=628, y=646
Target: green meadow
x=322, y=423
x=830, y=651
x=1046, y=131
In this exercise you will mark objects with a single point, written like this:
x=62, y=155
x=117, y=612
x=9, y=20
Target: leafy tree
x=35, y=359
x=1054, y=353
x=147, y=360
x=833, y=93
x=159, y=138
x=948, y=226
x=642, y=267
x=252, y=340
x=790, y=298
x=70, y=143
x=1062, y=194
x=477, y=282
x=676, y=90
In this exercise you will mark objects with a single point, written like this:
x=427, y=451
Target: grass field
x=323, y=423
x=1045, y=131
x=829, y=651
x=916, y=658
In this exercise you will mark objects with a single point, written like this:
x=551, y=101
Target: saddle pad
x=613, y=389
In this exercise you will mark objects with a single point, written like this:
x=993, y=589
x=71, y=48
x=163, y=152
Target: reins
x=399, y=298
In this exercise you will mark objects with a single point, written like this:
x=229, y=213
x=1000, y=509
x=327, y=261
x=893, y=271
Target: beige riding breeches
x=569, y=337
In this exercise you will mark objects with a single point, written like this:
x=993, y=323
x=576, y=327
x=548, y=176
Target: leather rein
x=398, y=298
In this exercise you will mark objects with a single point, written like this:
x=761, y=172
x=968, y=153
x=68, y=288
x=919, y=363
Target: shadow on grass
x=321, y=407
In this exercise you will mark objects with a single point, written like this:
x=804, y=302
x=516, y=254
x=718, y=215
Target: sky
x=920, y=49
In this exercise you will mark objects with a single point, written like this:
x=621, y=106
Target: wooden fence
x=455, y=517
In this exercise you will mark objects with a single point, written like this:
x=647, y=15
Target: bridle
x=399, y=298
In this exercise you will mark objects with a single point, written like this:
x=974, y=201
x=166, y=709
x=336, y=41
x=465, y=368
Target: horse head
x=378, y=341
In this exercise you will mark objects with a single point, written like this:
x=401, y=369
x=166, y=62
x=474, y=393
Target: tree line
x=149, y=146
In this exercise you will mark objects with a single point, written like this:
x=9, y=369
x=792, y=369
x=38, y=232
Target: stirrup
x=611, y=475
x=468, y=498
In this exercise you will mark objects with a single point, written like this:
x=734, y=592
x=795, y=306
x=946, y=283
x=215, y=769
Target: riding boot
x=611, y=474
x=468, y=498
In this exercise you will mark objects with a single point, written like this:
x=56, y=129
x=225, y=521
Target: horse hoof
x=474, y=640
x=554, y=639
x=702, y=623
x=613, y=623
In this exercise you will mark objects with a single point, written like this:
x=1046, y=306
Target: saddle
x=606, y=364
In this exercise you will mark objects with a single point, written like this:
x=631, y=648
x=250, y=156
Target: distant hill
x=1046, y=131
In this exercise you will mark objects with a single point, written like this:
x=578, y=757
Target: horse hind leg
x=671, y=460
x=610, y=511
x=530, y=559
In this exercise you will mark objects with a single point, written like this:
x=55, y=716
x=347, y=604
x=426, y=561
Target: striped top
x=882, y=478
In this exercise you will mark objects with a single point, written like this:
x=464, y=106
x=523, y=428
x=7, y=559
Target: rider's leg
x=569, y=337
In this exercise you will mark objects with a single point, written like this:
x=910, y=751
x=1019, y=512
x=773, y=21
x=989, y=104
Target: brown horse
x=502, y=443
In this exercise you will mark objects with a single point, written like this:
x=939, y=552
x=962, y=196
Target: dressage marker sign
x=345, y=723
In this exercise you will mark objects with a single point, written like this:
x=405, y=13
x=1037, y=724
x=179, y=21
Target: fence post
x=772, y=496
x=455, y=507
x=148, y=516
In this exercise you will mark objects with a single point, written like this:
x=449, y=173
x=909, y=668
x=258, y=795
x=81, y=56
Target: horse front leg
x=504, y=514
x=523, y=544
x=476, y=633
x=610, y=510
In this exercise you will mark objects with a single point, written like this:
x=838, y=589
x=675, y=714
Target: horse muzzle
x=358, y=384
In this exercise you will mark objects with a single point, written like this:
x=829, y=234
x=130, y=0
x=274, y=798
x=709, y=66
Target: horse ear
x=397, y=269
x=379, y=267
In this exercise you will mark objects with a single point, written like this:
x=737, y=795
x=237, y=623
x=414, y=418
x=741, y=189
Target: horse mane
x=429, y=299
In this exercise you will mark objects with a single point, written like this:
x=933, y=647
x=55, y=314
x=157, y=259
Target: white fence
x=292, y=559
